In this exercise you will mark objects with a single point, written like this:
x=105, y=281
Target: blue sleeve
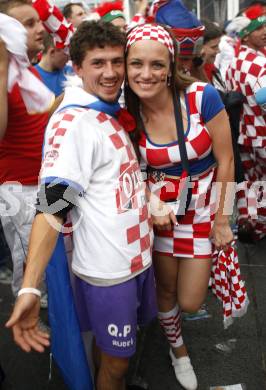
x=211, y=103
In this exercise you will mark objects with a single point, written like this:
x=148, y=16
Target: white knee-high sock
x=171, y=324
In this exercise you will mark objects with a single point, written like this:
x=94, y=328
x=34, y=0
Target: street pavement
x=220, y=357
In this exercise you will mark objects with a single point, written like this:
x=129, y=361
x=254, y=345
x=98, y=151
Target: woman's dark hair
x=178, y=82
x=92, y=34
x=212, y=31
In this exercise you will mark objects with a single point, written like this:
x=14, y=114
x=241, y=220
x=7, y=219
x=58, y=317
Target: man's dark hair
x=6, y=5
x=212, y=31
x=67, y=10
x=257, y=3
x=92, y=34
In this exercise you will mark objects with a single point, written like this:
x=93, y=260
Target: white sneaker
x=184, y=372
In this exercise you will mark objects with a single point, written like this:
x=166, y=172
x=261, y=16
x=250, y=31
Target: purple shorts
x=112, y=313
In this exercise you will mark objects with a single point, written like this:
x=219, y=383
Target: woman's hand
x=163, y=217
x=221, y=235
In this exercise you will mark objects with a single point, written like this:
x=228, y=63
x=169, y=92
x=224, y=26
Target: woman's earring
x=169, y=80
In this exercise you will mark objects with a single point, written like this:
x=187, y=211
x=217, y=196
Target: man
x=21, y=140
x=247, y=74
x=52, y=67
x=112, y=12
x=74, y=13
x=90, y=161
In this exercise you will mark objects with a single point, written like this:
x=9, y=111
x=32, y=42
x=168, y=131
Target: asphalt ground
x=220, y=357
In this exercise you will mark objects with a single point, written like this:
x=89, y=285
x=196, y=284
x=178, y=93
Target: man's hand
x=24, y=323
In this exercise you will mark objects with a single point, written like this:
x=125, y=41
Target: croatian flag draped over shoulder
x=66, y=343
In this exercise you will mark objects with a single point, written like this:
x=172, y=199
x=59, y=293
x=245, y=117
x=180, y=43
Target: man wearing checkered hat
x=247, y=74
x=90, y=168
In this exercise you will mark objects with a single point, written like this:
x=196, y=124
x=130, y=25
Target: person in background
x=247, y=74
x=52, y=67
x=111, y=12
x=182, y=248
x=21, y=140
x=210, y=49
x=188, y=32
x=75, y=13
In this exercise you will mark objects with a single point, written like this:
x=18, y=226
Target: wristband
x=29, y=290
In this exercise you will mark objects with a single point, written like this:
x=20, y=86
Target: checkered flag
x=228, y=286
x=54, y=22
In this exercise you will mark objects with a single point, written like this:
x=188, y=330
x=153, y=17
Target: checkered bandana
x=151, y=32
x=228, y=286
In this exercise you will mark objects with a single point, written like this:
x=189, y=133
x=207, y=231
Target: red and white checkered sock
x=171, y=324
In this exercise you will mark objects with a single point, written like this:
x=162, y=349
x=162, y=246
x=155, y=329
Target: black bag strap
x=187, y=193
x=180, y=133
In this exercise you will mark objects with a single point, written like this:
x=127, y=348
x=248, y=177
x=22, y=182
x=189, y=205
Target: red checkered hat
x=151, y=32
x=54, y=22
x=228, y=286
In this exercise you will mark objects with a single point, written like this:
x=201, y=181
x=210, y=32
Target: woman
x=183, y=247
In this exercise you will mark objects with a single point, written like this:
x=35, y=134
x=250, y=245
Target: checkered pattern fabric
x=150, y=32
x=228, y=286
x=90, y=150
x=54, y=22
x=191, y=237
x=247, y=73
x=59, y=130
x=252, y=193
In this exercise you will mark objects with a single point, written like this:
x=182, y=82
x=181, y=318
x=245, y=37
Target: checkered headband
x=151, y=32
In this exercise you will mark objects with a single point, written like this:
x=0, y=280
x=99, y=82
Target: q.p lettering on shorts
x=113, y=313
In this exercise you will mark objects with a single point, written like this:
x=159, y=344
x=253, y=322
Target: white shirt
x=91, y=151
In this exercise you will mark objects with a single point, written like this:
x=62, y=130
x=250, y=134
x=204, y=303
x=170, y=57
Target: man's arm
x=3, y=88
x=25, y=316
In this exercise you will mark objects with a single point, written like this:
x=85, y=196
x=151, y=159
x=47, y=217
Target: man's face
x=78, y=14
x=210, y=50
x=29, y=17
x=103, y=71
x=119, y=22
x=59, y=58
x=257, y=39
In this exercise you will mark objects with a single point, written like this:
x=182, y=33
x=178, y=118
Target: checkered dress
x=247, y=73
x=190, y=239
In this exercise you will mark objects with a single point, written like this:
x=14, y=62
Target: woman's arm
x=219, y=129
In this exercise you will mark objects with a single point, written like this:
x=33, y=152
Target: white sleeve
x=69, y=152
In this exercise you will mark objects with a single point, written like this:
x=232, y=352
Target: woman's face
x=148, y=67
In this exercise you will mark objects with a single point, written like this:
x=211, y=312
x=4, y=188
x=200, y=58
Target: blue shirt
x=54, y=80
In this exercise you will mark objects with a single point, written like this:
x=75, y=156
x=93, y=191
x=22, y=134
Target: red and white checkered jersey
x=247, y=74
x=91, y=152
